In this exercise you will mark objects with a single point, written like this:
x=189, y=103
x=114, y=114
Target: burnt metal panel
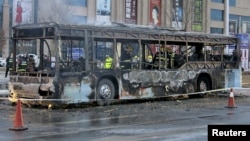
x=133, y=35
x=155, y=83
x=121, y=32
x=201, y=65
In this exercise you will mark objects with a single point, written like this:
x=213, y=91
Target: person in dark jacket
x=9, y=64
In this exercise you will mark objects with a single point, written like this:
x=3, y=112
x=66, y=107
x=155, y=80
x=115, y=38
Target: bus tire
x=203, y=85
x=105, y=92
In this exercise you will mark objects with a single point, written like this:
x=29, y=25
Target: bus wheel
x=203, y=85
x=105, y=92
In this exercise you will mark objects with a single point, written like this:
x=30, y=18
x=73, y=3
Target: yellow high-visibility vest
x=108, y=63
x=23, y=66
x=10, y=64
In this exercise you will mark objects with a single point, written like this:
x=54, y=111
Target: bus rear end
x=32, y=88
x=32, y=73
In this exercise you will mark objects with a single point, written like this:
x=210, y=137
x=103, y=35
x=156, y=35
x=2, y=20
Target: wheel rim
x=203, y=86
x=105, y=91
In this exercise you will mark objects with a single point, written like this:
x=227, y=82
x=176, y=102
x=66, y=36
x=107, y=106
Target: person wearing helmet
x=149, y=58
x=134, y=63
x=159, y=59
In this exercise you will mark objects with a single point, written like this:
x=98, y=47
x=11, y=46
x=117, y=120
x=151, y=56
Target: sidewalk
x=4, y=92
x=241, y=91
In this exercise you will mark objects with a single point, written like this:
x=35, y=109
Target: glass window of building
x=215, y=30
x=1, y=12
x=217, y=15
x=197, y=21
x=82, y=3
x=79, y=20
x=177, y=10
x=218, y=1
x=232, y=3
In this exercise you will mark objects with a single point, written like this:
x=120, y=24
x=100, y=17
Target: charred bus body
x=145, y=63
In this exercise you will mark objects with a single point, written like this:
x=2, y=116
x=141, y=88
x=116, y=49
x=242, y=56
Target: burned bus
x=143, y=63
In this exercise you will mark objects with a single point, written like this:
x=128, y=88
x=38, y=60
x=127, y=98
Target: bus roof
x=118, y=31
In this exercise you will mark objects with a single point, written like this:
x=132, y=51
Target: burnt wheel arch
x=105, y=92
x=204, y=80
x=204, y=83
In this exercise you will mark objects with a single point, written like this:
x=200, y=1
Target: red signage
x=131, y=11
x=155, y=12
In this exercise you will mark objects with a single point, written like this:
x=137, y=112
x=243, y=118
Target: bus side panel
x=218, y=79
x=76, y=89
x=153, y=83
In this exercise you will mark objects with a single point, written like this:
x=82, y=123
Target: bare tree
x=58, y=11
x=181, y=14
x=193, y=15
x=188, y=14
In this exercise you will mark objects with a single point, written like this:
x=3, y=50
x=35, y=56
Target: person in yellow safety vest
x=108, y=62
x=23, y=65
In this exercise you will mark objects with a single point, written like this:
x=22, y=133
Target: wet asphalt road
x=176, y=120
x=3, y=83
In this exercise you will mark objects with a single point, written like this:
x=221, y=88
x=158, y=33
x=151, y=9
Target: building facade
x=209, y=16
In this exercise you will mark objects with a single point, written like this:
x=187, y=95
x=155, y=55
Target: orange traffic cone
x=231, y=103
x=18, y=123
